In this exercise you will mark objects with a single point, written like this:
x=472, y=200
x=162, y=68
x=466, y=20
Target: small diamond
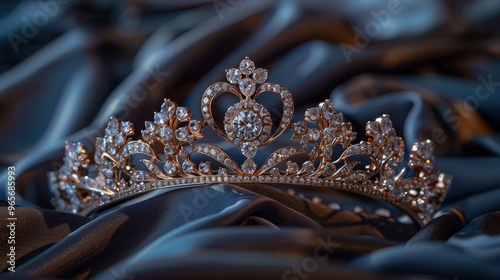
x=107, y=168
x=169, y=167
x=249, y=149
x=292, y=168
x=222, y=171
x=300, y=128
x=247, y=66
x=249, y=166
x=313, y=134
x=182, y=113
x=233, y=75
x=372, y=128
x=169, y=151
x=195, y=125
x=181, y=133
x=112, y=128
x=168, y=108
x=150, y=126
x=260, y=75
x=160, y=118
x=187, y=166
x=247, y=86
x=127, y=127
x=329, y=169
x=312, y=114
x=386, y=124
x=204, y=167
x=328, y=152
x=119, y=139
x=166, y=133
x=327, y=109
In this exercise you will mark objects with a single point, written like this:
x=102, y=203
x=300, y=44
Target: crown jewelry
x=167, y=155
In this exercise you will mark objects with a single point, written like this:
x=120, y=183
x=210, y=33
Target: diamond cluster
x=169, y=143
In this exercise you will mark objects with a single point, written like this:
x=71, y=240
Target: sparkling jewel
x=160, y=118
x=233, y=75
x=195, y=125
x=204, y=167
x=247, y=86
x=112, y=128
x=300, y=128
x=182, y=113
x=249, y=166
x=127, y=127
x=168, y=108
x=169, y=151
x=166, y=133
x=292, y=168
x=247, y=66
x=170, y=168
x=150, y=126
x=181, y=133
x=327, y=109
x=249, y=149
x=312, y=114
x=259, y=75
x=187, y=166
x=247, y=125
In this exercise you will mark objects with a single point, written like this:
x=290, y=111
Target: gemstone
x=182, y=113
x=386, y=124
x=168, y=108
x=127, y=127
x=222, y=171
x=247, y=86
x=169, y=167
x=312, y=114
x=119, y=139
x=112, y=128
x=169, y=151
x=329, y=169
x=292, y=168
x=247, y=125
x=313, y=134
x=247, y=66
x=328, y=152
x=327, y=109
x=166, y=133
x=187, y=166
x=372, y=128
x=300, y=128
x=160, y=118
x=150, y=126
x=337, y=119
x=204, y=167
x=107, y=168
x=260, y=75
x=249, y=166
x=233, y=75
x=181, y=133
x=195, y=125
x=249, y=149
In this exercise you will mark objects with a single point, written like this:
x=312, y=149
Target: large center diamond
x=247, y=125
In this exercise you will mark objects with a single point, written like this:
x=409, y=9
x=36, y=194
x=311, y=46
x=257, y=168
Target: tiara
x=321, y=153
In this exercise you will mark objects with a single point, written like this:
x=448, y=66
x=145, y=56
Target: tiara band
x=165, y=155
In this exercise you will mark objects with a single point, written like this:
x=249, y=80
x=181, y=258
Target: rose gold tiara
x=169, y=153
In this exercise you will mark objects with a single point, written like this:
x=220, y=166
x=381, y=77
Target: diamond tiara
x=166, y=154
